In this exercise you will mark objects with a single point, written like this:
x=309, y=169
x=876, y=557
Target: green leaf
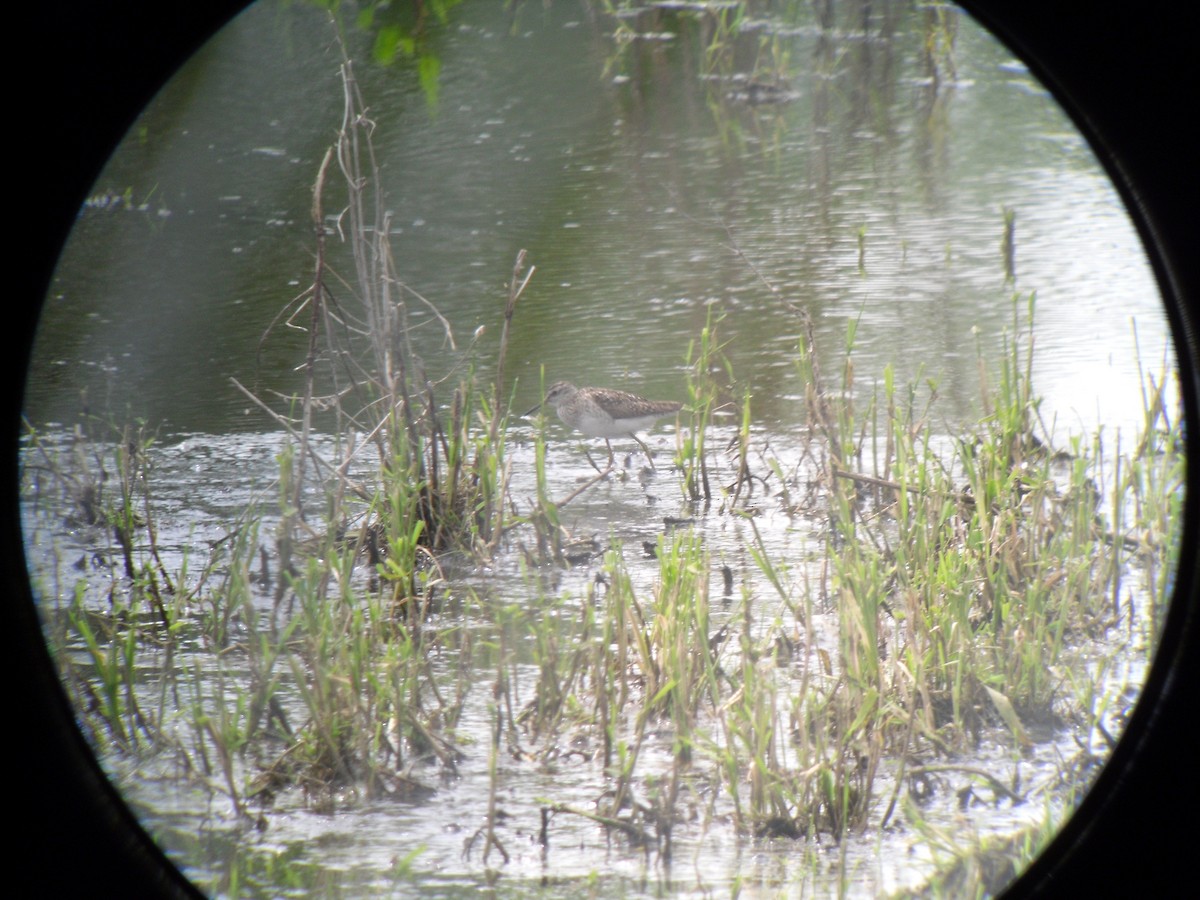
x=387, y=42
x=1009, y=715
x=428, y=69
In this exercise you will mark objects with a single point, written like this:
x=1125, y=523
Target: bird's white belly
x=606, y=427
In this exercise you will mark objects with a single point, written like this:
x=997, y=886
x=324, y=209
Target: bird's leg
x=611, y=462
x=645, y=450
x=592, y=462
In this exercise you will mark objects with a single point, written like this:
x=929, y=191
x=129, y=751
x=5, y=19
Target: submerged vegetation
x=332, y=645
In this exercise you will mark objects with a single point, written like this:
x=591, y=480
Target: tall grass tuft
x=706, y=364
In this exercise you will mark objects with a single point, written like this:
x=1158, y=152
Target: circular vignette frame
x=1126, y=80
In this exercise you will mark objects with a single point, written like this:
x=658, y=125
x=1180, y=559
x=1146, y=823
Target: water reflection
x=646, y=191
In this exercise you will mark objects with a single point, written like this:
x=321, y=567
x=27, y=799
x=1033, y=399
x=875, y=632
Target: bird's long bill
x=531, y=412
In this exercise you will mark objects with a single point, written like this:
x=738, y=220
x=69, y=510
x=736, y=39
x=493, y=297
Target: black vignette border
x=1125, y=75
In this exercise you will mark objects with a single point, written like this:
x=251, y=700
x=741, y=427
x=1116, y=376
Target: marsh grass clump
x=328, y=687
x=653, y=654
x=709, y=372
x=320, y=672
x=964, y=578
x=360, y=654
x=105, y=479
x=439, y=463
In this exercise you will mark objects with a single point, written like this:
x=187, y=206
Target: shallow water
x=650, y=195
x=356, y=844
